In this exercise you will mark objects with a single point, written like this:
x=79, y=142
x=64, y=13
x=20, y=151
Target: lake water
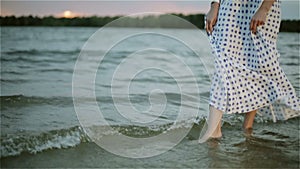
x=40, y=128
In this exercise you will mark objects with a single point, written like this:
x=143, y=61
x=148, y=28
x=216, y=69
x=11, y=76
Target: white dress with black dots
x=247, y=73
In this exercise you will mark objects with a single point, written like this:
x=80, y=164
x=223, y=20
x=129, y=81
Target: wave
x=34, y=52
x=14, y=80
x=58, y=100
x=41, y=52
x=37, y=60
x=15, y=144
x=7, y=101
x=32, y=142
x=39, y=56
x=58, y=56
x=291, y=64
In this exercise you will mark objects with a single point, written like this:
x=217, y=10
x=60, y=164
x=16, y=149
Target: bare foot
x=217, y=136
x=213, y=129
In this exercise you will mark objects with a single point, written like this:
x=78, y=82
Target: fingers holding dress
x=256, y=21
x=260, y=17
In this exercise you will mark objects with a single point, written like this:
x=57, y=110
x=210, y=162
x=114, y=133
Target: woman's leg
x=218, y=132
x=213, y=125
x=248, y=120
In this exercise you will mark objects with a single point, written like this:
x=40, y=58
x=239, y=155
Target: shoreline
x=149, y=21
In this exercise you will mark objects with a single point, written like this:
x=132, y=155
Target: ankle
x=217, y=133
x=248, y=131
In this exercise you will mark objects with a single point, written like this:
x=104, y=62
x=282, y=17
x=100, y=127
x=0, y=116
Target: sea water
x=40, y=128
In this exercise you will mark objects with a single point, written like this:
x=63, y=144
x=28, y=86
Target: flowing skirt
x=247, y=72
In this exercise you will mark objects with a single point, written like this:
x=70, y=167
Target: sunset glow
x=71, y=9
x=68, y=14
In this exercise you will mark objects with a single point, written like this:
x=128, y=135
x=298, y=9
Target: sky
x=290, y=8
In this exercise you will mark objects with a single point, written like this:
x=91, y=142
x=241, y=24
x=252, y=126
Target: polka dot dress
x=247, y=73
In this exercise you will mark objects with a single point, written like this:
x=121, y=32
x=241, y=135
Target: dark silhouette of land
x=150, y=21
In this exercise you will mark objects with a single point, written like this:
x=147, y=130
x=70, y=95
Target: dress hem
x=257, y=108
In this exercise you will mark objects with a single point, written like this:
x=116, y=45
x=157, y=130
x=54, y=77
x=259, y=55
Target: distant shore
x=150, y=21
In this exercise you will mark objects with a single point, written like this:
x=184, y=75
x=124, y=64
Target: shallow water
x=38, y=120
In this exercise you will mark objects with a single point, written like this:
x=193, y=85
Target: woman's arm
x=211, y=16
x=260, y=16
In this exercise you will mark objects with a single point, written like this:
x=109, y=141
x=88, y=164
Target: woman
x=247, y=78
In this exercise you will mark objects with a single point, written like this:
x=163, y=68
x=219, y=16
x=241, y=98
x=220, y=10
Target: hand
x=258, y=19
x=211, y=17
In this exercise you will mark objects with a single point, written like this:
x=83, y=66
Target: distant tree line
x=151, y=21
